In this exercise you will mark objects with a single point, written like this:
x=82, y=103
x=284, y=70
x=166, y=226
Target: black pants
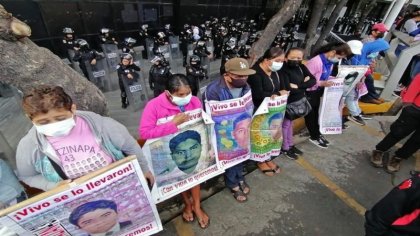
x=123, y=93
x=311, y=120
x=408, y=123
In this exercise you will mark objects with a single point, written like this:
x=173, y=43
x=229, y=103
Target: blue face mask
x=373, y=55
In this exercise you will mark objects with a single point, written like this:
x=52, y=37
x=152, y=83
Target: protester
x=174, y=101
x=407, y=123
x=232, y=85
x=62, y=138
x=11, y=191
x=297, y=79
x=397, y=213
x=266, y=83
x=321, y=67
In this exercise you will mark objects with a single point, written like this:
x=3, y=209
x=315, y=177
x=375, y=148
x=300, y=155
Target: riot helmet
x=231, y=42
x=105, y=31
x=129, y=41
x=68, y=30
x=186, y=26
x=126, y=56
x=168, y=26
x=195, y=61
x=82, y=44
x=144, y=27
x=161, y=35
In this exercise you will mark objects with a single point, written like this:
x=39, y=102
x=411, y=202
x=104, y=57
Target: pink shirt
x=315, y=66
x=78, y=151
x=161, y=107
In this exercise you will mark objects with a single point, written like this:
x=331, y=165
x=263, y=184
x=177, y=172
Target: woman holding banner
x=297, y=79
x=63, y=140
x=267, y=83
x=176, y=99
x=321, y=67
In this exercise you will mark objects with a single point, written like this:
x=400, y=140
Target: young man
x=232, y=84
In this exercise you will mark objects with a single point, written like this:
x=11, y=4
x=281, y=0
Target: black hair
x=341, y=48
x=176, y=81
x=81, y=210
x=189, y=134
x=240, y=118
x=271, y=53
x=295, y=49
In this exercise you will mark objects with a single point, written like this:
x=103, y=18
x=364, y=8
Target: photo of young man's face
x=187, y=154
x=241, y=132
x=98, y=221
x=275, y=129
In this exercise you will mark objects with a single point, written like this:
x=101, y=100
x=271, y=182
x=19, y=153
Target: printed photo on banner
x=182, y=160
x=115, y=202
x=330, y=120
x=232, y=121
x=351, y=75
x=266, y=129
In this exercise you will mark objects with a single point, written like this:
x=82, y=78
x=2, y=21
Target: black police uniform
x=123, y=71
x=158, y=75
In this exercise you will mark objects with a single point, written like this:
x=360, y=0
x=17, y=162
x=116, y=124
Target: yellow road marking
x=347, y=199
x=182, y=228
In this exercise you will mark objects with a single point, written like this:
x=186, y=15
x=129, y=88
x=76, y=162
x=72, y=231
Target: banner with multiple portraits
x=114, y=200
x=182, y=160
x=266, y=129
x=232, y=120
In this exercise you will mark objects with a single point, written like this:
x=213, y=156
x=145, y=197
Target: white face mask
x=57, y=129
x=181, y=101
x=276, y=66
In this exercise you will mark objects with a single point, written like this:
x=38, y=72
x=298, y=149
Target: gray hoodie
x=34, y=152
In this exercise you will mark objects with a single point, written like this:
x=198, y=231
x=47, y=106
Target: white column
x=396, y=5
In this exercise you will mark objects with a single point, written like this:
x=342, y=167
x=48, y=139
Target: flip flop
x=243, y=185
x=186, y=220
x=239, y=193
x=265, y=169
x=199, y=220
x=274, y=167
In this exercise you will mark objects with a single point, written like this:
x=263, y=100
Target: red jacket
x=411, y=95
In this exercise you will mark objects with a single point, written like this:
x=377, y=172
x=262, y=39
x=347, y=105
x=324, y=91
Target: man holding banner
x=234, y=116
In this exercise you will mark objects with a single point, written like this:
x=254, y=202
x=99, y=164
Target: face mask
x=238, y=83
x=275, y=66
x=294, y=62
x=373, y=55
x=57, y=129
x=181, y=101
x=334, y=60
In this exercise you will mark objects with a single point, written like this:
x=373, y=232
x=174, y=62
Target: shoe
x=124, y=105
x=393, y=164
x=381, y=100
x=296, y=150
x=396, y=93
x=373, y=101
x=356, y=119
x=318, y=142
x=376, y=158
x=366, y=117
x=290, y=154
x=344, y=127
x=324, y=139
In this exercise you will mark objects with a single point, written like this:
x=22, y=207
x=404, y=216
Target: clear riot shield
x=149, y=48
x=136, y=91
x=111, y=55
x=190, y=51
x=244, y=38
x=174, y=42
x=74, y=64
x=98, y=75
x=166, y=52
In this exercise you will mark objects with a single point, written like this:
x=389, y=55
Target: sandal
x=243, y=186
x=186, y=218
x=273, y=166
x=237, y=194
x=201, y=222
x=265, y=169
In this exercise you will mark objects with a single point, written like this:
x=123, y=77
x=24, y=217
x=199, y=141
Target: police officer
x=126, y=71
x=201, y=49
x=195, y=73
x=144, y=34
x=168, y=30
x=128, y=45
x=68, y=40
x=160, y=40
x=106, y=38
x=220, y=38
x=185, y=38
x=84, y=54
x=229, y=51
x=158, y=75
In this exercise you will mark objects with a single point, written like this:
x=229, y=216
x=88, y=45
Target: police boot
x=124, y=102
x=376, y=158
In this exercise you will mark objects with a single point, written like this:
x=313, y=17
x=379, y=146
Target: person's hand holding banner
x=180, y=118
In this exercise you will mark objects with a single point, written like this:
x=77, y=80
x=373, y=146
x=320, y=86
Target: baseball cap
x=355, y=46
x=381, y=27
x=238, y=66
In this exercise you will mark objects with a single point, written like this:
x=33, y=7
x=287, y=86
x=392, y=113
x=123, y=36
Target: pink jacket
x=315, y=66
x=161, y=107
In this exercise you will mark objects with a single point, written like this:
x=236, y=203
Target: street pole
x=393, y=12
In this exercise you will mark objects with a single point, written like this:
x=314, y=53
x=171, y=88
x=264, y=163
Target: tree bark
x=330, y=24
x=24, y=65
x=318, y=7
x=366, y=9
x=272, y=29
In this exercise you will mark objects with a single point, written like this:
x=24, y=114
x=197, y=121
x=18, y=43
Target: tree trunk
x=24, y=65
x=365, y=12
x=317, y=8
x=330, y=24
x=272, y=29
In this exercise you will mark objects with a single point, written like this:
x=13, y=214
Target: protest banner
x=185, y=159
x=266, y=130
x=330, y=121
x=114, y=200
x=232, y=120
x=351, y=75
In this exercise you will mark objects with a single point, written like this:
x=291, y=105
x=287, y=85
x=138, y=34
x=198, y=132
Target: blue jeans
x=372, y=94
x=233, y=175
x=415, y=67
x=352, y=103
